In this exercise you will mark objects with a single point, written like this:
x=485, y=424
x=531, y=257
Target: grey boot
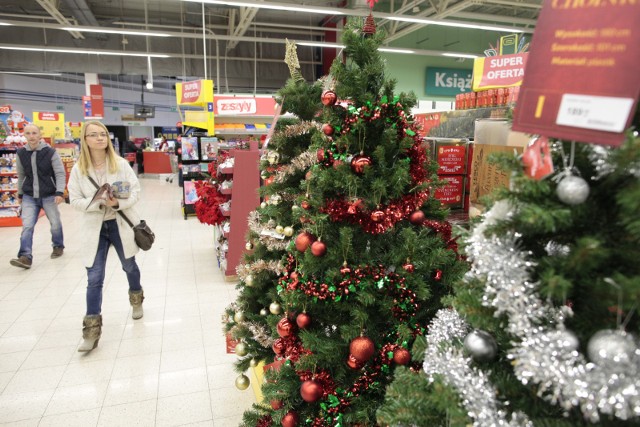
x=91, y=331
x=135, y=299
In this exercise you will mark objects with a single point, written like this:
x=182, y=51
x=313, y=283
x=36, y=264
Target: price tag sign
x=594, y=112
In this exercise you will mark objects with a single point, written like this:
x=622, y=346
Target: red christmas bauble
x=318, y=248
x=311, y=391
x=278, y=347
x=294, y=276
x=285, y=327
x=329, y=98
x=416, y=218
x=408, y=267
x=276, y=404
x=303, y=320
x=362, y=348
x=308, y=175
x=337, y=163
x=438, y=275
x=305, y=205
x=345, y=269
x=359, y=162
x=377, y=216
x=354, y=363
x=327, y=129
x=304, y=240
x=401, y=356
x=291, y=419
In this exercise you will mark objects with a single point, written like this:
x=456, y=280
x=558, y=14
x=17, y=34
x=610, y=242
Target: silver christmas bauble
x=239, y=317
x=609, y=347
x=263, y=205
x=241, y=349
x=242, y=382
x=275, y=308
x=249, y=280
x=263, y=312
x=481, y=346
x=572, y=190
x=248, y=246
x=568, y=340
x=295, y=208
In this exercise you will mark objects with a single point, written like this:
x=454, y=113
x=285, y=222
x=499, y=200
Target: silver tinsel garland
x=544, y=352
x=448, y=362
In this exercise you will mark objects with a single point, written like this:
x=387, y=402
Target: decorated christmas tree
x=544, y=328
x=351, y=253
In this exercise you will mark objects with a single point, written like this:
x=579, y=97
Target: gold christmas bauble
x=263, y=205
x=295, y=208
x=239, y=317
x=249, y=280
x=263, y=312
x=288, y=231
x=242, y=382
x=241, y=349
x=248, y=246
x=253, y=363
x=275, y=308
x=279, y=229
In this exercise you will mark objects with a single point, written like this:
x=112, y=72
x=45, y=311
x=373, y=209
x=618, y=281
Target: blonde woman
x=103, y=226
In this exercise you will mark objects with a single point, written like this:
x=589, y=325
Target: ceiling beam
x=53, y=11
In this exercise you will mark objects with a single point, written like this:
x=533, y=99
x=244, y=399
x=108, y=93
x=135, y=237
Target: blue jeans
x=30, y=211
x=109, y=235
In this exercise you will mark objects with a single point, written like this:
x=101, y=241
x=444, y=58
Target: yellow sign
x=75, y=128
x=196, y=93
x=51, y=124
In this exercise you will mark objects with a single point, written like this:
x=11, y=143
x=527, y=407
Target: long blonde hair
x=84, y=162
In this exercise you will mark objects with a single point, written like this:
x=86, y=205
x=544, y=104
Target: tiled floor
x=169, y=368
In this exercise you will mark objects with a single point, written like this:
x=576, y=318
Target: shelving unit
x=9, y=207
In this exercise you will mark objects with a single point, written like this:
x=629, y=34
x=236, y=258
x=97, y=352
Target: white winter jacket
x=81, y=191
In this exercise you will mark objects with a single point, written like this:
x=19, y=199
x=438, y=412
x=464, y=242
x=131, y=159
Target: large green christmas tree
x=544, y=329
x=351, y=252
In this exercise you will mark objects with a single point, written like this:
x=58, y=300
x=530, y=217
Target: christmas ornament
x=264, y=174
x=263, y=205
x=401, y=356
x=329, y=98
x=275, y=308
x=242, y=382
x=248, y=246
x=359, y=163
x=279, y=229
x=318, y=248
x=377, y=216
x=290, y=419
x=285, y=327
x=327, y=129
x=276, y=404
x=311, y=391
x=305, y=205
x=354, y=363
x=481, y=345
x=417, y=218
x=263, y=312
x=353, y=206
x=241, y=349
x=345, y=268
x=288, y=231
x=278, y=347
x=369, y=27
x=295, y=208
x=273, y=157
x=362, y=348
x=610, y=347
x=239, y=317
x=304, y=240
x=303, y=320
x=438, y=275
x=572, y=190
x=249, y=280
x=253, y=363
x=408, y=267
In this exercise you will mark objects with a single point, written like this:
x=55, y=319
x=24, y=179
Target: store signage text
x=499, y=71
x=191, y=91
x=447, y=81
x=48, y=116
x=5, y=109
x=236, y=106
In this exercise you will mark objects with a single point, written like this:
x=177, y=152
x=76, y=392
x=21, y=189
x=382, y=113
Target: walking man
x=41, y=182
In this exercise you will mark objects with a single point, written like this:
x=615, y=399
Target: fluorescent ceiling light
x=116, y=31
x=29, y=73
x=459, y=55
x=455, y=24
x=321, y=44
x=394, y=50
x=5, y=24
x=83, y=51
x=323, y=11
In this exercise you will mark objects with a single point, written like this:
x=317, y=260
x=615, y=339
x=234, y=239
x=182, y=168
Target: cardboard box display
x=451, y=194
x=451, y=155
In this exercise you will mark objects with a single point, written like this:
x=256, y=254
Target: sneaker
x=57, y=252
x=21, y=261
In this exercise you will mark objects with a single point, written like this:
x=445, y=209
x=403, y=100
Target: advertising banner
x=75, y=128
x=499, y=71
x=97, y=101
x=234, y=106
x=196, y=93
x=581, y=81
x=447, y=81
x=51, y=124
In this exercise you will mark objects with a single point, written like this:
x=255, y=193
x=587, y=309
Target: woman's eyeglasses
x=95, y=135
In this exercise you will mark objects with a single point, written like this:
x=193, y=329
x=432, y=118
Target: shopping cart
x=173, y=160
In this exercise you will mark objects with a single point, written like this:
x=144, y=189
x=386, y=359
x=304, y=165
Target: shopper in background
x=130, y=147
x=103, y=226
x=41, y=182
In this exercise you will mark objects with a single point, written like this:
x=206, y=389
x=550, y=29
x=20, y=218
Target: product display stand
x=245, y=198
x=9, y=216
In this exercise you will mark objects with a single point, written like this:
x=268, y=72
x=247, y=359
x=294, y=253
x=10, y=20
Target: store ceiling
x=244, y=46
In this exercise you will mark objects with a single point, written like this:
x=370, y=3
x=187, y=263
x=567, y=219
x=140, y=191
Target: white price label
x=594, y=112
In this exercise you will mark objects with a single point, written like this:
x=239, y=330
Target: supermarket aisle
x=169, y=368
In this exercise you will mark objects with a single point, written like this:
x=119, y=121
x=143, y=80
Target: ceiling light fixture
x=5, y=24
x=83, y=51
x=455, y=24
x=116, y=31
x=321, y=44
x=323, y=11
x=394, y=50
x=460, y=55
x=29, y=73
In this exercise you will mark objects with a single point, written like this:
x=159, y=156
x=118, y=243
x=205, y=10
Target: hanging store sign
x=198, y=93
x=581, y=81
x=234, y=106
x=447, y=81
x=499, y=71
x=51, y=124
